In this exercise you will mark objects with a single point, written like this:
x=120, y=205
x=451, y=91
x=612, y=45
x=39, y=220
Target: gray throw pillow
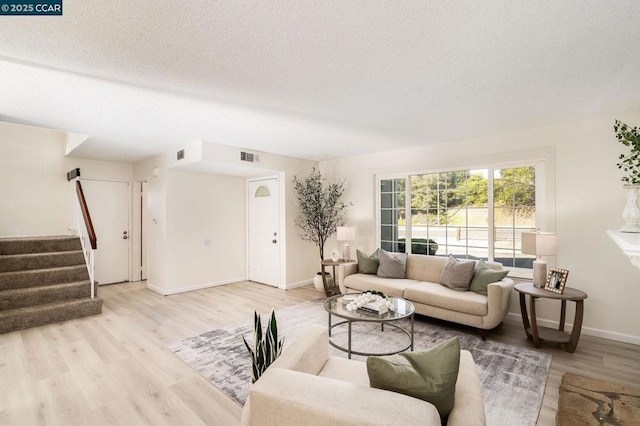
x=429, y=375
x=392, y=265
x=457, y=273
x=484, y=275
x=368, y=264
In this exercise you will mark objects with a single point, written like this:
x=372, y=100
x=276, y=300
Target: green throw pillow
x=368, y=264
x=485, y=275
x=429, y=375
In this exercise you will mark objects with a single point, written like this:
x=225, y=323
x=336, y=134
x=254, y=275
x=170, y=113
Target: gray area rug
x=513, y=378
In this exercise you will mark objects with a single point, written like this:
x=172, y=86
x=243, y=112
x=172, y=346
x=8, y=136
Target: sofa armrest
x=285, y=397
x=499, y=298
x=344, y=270
x=308, y=354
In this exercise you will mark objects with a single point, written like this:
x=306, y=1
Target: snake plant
x=267, y=347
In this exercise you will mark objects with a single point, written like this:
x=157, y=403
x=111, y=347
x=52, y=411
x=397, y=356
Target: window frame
x=543, y=161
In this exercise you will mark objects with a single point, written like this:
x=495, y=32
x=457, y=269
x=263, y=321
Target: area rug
x=587, y=401
x=513, y=378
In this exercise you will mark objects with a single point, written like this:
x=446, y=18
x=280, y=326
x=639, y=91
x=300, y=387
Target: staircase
x=43, y=281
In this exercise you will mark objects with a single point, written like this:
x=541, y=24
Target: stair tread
x=36, y=238
x=41, y=254
x=54, y=269
x=48, y=306
x=43, y=287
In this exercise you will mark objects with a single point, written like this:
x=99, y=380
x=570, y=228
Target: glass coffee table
x=402, y=309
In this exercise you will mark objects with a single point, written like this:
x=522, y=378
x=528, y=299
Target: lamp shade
x=346, y=233
x=539, y=243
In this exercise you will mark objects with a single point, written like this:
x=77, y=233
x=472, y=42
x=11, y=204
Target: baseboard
x=168, y=292
x=586, y=331
x=298, y=284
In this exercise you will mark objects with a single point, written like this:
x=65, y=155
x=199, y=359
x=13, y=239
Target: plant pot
x=317, y=281
x=631, y=212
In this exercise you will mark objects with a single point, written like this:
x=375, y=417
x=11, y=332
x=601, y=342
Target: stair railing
x=87, y=234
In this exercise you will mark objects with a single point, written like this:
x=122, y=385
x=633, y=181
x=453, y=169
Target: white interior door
x=109, y=208
x=264, y=235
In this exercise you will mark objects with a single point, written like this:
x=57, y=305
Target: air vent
x=180, y=155
x=247, y=156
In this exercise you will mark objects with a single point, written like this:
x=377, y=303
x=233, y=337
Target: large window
x=473, y=214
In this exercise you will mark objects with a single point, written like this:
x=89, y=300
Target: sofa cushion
x=368, y=264
x=485, y=275
x=346, y=370
x=430, y=375
x=425, y=268
x=363, y=282
x=392, y=265
x=457, y=274
x=434, y=294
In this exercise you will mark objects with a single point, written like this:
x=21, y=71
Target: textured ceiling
x=314, y=79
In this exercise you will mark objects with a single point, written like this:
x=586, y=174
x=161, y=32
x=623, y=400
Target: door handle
x=125, y=236
x=274, y=241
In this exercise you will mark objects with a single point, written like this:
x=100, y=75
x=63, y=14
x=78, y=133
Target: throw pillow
x=484, y=275
x=368, y=264
x=392, y=265
x=429, y=375
x=457, y=273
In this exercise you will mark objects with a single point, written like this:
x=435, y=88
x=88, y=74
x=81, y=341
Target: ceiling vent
x=248, y=156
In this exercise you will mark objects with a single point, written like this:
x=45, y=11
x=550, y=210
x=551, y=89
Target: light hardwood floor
x=115, y=368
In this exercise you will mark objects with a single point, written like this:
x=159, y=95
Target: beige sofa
x=421, y=287
x=305, y=386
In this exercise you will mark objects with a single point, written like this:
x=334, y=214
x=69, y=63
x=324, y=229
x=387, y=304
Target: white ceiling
x=314, y=79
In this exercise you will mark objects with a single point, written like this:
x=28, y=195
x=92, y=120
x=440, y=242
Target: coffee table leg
x=349, y=341
x=329, y=324
x=412, y=315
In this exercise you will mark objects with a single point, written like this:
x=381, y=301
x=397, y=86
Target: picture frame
x=556, y=280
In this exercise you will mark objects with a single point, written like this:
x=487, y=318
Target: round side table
x=540, y=334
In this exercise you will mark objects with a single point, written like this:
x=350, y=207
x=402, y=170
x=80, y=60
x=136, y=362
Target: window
x=474, y=214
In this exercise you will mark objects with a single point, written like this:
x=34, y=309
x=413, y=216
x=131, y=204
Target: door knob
x=274, y=241
x=125, y=236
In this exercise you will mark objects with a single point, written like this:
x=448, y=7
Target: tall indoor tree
x=321, y=207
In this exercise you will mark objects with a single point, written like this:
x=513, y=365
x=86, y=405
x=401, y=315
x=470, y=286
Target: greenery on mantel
x=321, y=208
x=629, y=163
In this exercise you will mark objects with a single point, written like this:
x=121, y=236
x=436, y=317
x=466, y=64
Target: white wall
x=167, y=204
x=36, y=197
x=589, y=201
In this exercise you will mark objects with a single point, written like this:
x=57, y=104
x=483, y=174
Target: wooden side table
x=335, y=289
x=539, y=334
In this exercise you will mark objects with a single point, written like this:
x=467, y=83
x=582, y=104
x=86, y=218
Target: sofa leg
x=483, y=334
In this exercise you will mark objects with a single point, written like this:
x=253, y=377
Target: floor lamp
x=539, y=244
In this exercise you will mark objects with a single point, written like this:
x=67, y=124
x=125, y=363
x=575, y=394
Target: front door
x=108, y=203
x=264, y=225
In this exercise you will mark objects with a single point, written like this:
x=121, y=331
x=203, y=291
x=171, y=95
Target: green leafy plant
x=321, y=208
x=629, y=163
x=267, y=347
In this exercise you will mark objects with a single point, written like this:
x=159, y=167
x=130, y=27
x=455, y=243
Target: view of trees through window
x=476, y=214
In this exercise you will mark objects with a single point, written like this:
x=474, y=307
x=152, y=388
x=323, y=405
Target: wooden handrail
x=87, y=217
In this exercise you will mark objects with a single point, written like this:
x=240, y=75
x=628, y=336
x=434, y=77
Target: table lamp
x=346, y=233
x=539, y=244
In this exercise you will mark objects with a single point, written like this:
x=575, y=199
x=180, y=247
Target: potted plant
x=266, y=348
x=630, y=164
x=321, y=210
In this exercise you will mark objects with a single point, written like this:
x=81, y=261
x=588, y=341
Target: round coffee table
x=402, y=308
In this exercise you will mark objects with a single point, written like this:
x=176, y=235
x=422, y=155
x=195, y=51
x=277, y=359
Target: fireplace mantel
x=629, y=243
